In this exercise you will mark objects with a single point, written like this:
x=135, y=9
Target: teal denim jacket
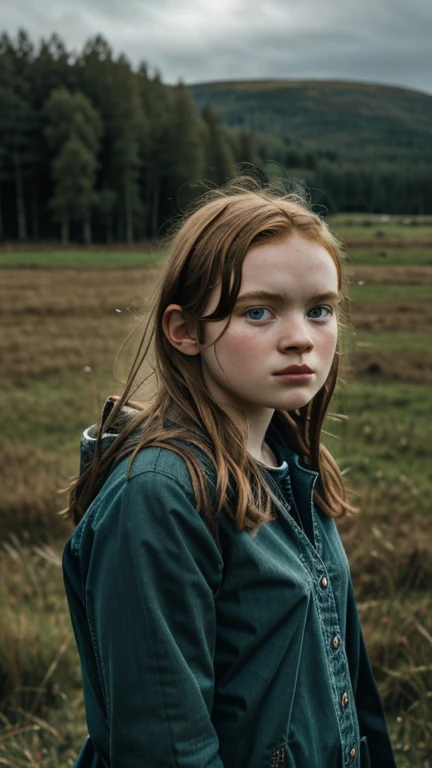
x=244, y=652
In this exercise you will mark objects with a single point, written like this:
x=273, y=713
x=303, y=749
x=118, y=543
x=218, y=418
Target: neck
x=258, y=424
x=256, y=445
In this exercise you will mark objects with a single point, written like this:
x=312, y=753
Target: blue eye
x=258, y=313
x=321, y=312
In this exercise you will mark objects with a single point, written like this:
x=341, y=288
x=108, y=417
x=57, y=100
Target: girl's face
x=279, y=345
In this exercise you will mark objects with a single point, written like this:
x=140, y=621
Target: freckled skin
x=239, y=369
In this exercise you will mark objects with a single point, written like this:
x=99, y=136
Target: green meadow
x=90, y=258
x=404, y=256
x=406, y=293
x=402, y=342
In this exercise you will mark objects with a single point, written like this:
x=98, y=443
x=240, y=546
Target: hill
x=354, y=122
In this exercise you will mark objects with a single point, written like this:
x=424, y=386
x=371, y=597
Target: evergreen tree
x=107, y=200
x=74, y=196
x=114, y=90
x=245, y=147
x=157, y=145
x=17, y=121
x=184, y=161
x=127, y=129
x=73, y=132
x=219, y=158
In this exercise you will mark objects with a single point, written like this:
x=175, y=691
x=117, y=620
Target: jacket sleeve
x=153, y=574
x=368, y=701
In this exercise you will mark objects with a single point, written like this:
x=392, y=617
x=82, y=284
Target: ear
x=180, y=330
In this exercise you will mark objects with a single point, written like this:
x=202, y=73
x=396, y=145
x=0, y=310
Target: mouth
x=295, y=373
x=295, y=370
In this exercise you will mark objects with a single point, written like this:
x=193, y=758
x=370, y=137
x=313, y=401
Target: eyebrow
x=270, y=296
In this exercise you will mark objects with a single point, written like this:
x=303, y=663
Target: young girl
x=209, y=590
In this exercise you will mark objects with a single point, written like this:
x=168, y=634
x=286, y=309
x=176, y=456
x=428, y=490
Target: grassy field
x=388, y=257
x=386, y=293
x=402, y=231
x=64, y=319
x=90, y=258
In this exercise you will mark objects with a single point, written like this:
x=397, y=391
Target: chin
x=294, y=403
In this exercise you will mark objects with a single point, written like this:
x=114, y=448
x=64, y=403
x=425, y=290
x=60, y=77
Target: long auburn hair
x=209, y=248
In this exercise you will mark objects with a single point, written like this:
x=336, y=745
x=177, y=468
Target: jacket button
x=344, y=700
x=335, y=642
x=353, y=752
x=323, y=582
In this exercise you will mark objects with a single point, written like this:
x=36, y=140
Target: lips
x=295, y=370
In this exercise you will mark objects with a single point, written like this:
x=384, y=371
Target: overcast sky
x=384, y=41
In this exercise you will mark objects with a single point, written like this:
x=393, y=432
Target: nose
x=296, y=335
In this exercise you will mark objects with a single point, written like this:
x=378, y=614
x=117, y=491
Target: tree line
x=92, y=149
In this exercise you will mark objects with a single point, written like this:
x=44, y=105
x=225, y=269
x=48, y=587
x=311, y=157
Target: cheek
x=329, y=340
x=237, y=346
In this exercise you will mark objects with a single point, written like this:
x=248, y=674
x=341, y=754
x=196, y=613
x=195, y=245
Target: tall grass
x=42, y=715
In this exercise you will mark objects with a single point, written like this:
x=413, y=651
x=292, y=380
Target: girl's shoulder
x=147, y=507
x=156, y=464
x=145, y=493
x=164, y=461
x=150, y=468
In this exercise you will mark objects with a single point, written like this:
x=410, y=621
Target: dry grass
x=42, y=722
x=62, y=332
x=68, y=291
x=392, y=316
x=390, y=275
x=392, y=366
x=29, y=501
x=67, y=320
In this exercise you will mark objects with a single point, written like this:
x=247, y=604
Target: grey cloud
x=376, y=40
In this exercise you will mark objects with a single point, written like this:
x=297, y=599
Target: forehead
x=289, y=263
